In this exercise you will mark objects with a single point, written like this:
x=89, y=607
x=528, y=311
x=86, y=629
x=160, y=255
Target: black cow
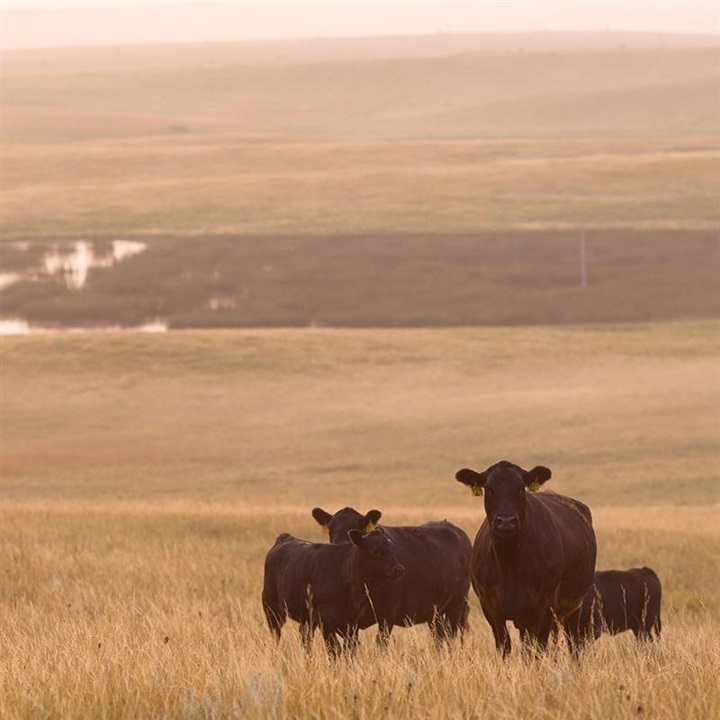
x=619, y=600
x=326, y=586
x=435, y=586
x=534, y=555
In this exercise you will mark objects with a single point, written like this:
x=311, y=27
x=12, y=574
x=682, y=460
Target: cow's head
x=504, y=486
x=377, y=555
x=338, y=525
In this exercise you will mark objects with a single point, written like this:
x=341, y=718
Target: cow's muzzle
x=506, y=524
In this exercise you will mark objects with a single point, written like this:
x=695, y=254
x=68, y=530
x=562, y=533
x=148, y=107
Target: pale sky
x=43, y=23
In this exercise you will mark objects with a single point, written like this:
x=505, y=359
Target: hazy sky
x=35, y=23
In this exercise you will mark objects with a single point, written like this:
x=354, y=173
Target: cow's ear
x=474, y=480
x=322, y=517
x=355, y=537
x=372, y=518
x=536, y=477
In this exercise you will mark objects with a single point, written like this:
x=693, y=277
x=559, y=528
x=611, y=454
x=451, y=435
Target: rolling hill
x=446, y=156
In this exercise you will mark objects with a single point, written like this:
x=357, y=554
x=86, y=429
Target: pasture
x=422, y=182
x=432, y=135
x=145, y=476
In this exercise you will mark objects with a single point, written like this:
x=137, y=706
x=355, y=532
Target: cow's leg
x=502, y=638
x=575, y=639
x=455, y=619
x=331, y=641
x=639, y=630
x=306, y=635
x=439, y=628
x=645, y=625
x=543, y=630
x=499, y=630
x=385, y=628
x=535, y=637
x=644, y=631
x=528, y=642
x=351, y=637
x=573, y=634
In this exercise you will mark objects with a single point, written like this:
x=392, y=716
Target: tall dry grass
x=142, y=612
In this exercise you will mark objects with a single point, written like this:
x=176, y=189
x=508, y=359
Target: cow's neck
x=352, y=569
x=507, y=551
x=358, y=586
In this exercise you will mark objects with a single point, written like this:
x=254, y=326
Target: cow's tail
x=657, y=625
x=657, y=622
x=275, y=612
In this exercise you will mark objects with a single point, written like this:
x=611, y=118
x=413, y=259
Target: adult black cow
x=326, y=586
x=534, y=555
x=435, y=586
x=619, y=600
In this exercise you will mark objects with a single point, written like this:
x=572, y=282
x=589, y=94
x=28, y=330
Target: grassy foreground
x=149, y=613
x=144, y=478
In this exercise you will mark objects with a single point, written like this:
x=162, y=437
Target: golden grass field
x=197, y=186
x=144, y=477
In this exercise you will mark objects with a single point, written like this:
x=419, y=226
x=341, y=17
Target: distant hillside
x=313, y=50
x=671, y=108
x=473, y=94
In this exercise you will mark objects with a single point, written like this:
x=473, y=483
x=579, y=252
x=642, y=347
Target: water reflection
x=73, y=265
x=76, y=264
x=16, y=326
x=7, y=279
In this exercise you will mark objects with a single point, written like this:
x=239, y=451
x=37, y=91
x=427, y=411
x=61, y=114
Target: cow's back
x=436, y=557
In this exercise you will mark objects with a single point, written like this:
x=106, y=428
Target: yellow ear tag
x=477, y=490
x=326, y=530
x=533, y=487
x=369, y=528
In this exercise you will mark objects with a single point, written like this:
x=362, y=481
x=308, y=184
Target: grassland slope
x=380, y=99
